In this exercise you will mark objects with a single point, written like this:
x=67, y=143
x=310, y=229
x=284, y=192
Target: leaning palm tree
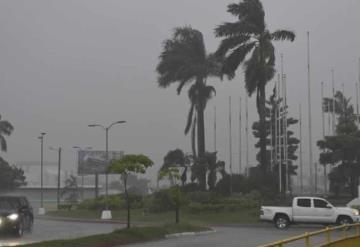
x=5, y=130
x=184, y=61
x=248, y=41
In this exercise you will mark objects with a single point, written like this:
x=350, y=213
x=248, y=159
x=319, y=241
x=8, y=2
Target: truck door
x=324, y=213
x=302, y=210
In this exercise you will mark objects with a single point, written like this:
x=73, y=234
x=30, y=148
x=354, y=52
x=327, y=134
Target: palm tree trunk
x=201, y=145
x=127, y=201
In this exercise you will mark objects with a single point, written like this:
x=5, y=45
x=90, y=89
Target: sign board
x=94, y=161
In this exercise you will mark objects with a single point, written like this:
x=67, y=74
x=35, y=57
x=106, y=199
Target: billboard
x=94, y=161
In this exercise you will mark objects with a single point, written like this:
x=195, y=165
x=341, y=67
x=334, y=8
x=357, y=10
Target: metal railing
x=328, y=236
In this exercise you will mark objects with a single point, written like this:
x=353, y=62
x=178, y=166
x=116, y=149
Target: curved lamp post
x=106, y=214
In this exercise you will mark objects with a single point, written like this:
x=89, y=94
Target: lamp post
x=58, y=174
x=41, y=209
x=82, y=172
x=106, y=214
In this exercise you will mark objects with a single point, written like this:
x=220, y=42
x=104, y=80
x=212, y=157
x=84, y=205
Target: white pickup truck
x=312, y=210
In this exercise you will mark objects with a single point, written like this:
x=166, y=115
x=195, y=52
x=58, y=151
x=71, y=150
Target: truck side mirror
x=328, y=206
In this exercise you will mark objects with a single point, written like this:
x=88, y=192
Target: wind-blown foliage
x=248, y=42
x=11, y=177
x=343, y=149
x=184, y=61
x=128, y=164
x=6, y=129
x=177, y=158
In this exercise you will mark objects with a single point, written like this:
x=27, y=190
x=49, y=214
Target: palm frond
x=233, y=61
x=6, y=127
x=283, y=35
x=253, y=72
x=229, y=29
x=230, y=43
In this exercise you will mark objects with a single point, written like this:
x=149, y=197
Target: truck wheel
x=281, y=222
x=344, y=220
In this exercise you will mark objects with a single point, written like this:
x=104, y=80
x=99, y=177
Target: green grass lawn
x=122, y=237
x=246, y=216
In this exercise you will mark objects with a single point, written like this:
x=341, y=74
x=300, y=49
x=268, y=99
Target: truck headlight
x=355, y=212
x=0, y=221
x=13, y=217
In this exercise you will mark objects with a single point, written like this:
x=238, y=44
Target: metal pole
x=240, y=140
x=271, y=140
x=42, y=168
x=279, y=134
x=333, y=98
x=275, y=126
x=300, y=151
x=59, y=179
x=247, y=134
x=107, y=161
x=286, y=138
x=230, y=146
x=214, y=128
x=323, y=130
x=309, y=112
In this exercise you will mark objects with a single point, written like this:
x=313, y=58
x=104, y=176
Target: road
x=48, y=230
x=237, y=237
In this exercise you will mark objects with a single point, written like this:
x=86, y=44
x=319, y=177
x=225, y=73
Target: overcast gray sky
x=66, y=64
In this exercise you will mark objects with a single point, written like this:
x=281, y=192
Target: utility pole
x=59, y=178
x=309, y=112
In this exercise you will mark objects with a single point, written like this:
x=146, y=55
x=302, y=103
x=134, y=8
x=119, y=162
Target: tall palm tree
x=5, y=130
x=184, y=61
x=248, y=41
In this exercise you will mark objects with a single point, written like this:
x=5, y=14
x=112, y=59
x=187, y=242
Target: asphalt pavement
x=238, y=237
x=50, y=229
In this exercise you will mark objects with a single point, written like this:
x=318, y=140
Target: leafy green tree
x=343, y=149
x=71, y=192
x=173, y=175
x=184, y=61
x=11, y=177
x=248, y=41
x=128, y=164
x=273, y=106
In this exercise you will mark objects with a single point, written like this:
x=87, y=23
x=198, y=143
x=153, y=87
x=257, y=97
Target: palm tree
x=5, y=130
x=184, y=61
x=248, y=41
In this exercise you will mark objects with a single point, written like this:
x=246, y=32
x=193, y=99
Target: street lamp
x=41, y=209
x=82, y=174
x=106, y=214
x=58, y=175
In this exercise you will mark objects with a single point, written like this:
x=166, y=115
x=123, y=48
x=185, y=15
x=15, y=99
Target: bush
x=113, y=203
x=204, y=197
x=159, y=201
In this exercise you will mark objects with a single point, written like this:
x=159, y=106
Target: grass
x=246, y=216
x=122, y=237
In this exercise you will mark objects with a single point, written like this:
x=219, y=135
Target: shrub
x=113, y=203
x=159, y=201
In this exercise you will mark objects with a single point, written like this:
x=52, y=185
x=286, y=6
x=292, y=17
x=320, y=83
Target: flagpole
x=300, y=151
x=309, y=112
x=279, y=134
x=247, y=135
x=230, y=146
x=214, y=128
x=323, y=132
x=240, y=139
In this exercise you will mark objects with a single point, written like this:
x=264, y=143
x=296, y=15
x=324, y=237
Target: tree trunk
x=177, y=215
x=127, y=202
x=201, y=143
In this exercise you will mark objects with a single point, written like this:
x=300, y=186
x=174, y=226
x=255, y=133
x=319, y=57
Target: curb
x=186, y=234
x=99, y=221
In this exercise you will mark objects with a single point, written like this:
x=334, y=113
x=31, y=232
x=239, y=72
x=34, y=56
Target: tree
x=128, y=164
x=71, y=191
x=274, y=106
x=177, y=158
x=249, y=37
x=184, y=61
x=173, y=175
x=343, y=149
x=11, y=177
x=5, y=130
